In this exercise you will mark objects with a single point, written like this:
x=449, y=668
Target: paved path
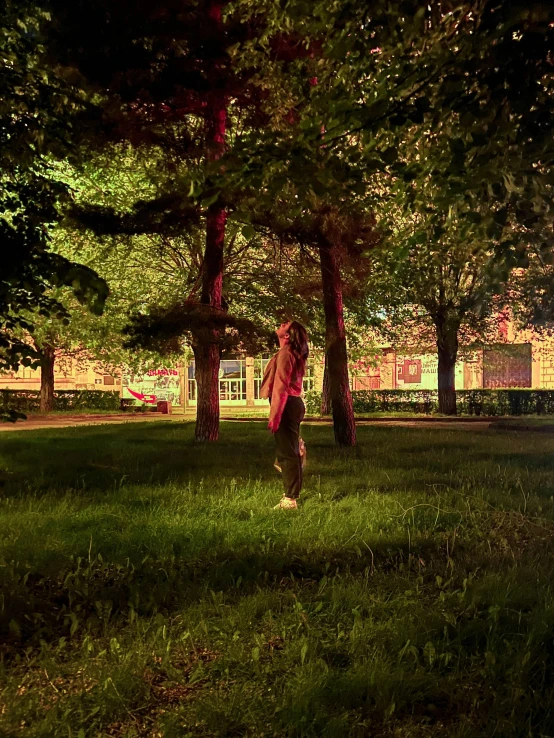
x=60, y=421
x=70, y=421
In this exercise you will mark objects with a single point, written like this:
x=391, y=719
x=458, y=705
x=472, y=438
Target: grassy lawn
x=528, y=421
x=148, y=589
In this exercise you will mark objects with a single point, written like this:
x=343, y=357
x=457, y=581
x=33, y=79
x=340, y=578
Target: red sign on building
x=409, y=371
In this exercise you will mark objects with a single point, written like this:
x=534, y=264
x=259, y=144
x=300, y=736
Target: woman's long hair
x=298, y=343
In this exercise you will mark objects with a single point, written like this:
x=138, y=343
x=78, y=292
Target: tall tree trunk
x=326, y=391
x=47, y=362
x=336, y=357
x=447, y=348
x=207, y=352
x=206, y=357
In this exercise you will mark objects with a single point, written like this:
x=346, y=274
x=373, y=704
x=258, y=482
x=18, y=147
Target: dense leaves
x=28, y=401
x=32, y=129
x=427, y=129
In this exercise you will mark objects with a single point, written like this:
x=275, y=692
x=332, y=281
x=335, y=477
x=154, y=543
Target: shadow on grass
x=98, y=464
x=102, y=459
x=42, y=608
x=112, y=536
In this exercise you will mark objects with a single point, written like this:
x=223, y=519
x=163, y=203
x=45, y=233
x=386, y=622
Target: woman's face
x=283, y=330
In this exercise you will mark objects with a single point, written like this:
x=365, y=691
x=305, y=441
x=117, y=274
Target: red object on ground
x=164, y=407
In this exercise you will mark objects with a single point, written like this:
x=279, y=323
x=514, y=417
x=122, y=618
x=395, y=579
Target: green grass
x=148, y=589
x=526, y=420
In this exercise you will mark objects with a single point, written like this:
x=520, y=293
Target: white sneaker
x=287, y=503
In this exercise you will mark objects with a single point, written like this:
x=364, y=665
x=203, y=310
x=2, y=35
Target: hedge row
x=506, y=402
x=469, y=402
x=28, y=401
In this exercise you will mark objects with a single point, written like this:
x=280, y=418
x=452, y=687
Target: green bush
x=373, y=401
x=413, y=401
x=506, y=402
x=129, y=403
x=312, y=401
x=28, y=401
x=469, y=402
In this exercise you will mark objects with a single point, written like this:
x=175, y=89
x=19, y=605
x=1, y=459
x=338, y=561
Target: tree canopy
x=32, y=130
x=240, y=143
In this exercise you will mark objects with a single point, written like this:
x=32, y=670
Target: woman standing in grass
x=282, y=385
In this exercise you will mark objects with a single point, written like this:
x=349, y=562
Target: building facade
x=526, y=361
x=68, y=374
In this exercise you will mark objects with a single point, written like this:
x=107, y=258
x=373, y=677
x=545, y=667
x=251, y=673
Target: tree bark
x=206, y=357
x=336, y=356
x=447, y=348
x=326, y=392
x=207, y=352
x=47, y=362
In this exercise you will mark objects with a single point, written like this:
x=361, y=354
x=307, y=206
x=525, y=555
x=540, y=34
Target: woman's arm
x=283, y=374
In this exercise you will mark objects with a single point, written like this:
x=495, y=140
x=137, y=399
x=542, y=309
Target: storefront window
x=260, y=364
x=232, y=381
x=309, y=380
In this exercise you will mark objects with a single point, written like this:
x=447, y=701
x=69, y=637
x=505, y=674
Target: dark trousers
x=286, y=442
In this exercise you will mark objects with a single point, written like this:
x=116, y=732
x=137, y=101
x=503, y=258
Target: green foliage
x=159, y=593
x=312, y=402
x=374, y=401
x=415, y=401
x=469, y=402
x=138, y=268
x=506, y=402
x=163, y=329
x=191, y=82
x=533, y=288
x=33, y=110
x=9, y=415
x=135, y=406
x=152, y=259
x=434, y=128
x=28, y=401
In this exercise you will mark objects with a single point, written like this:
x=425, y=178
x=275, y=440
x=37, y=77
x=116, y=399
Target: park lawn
x=527, y=421
x=148, y=588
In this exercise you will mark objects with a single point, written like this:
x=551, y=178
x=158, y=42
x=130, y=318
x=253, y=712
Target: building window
x=260, y=364
x=232, y=381
x=309, y=379
x=108, y=379
x=191, y=383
